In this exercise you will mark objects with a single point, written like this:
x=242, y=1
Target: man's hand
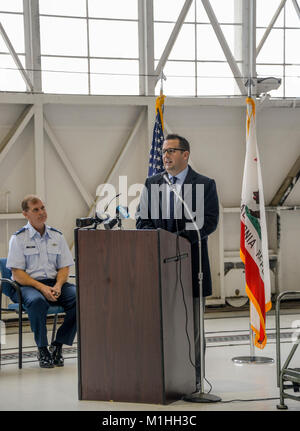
x=25, y=280
x=56, y=290
x=61, y=278
x=48, y=292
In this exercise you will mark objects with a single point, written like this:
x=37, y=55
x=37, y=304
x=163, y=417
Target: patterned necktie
x=171, y=224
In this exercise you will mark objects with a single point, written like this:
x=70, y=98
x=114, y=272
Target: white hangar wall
x=92, y=135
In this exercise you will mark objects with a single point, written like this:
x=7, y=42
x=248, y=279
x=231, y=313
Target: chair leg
x=20, y=339
x=54, y=328
x=0, y=335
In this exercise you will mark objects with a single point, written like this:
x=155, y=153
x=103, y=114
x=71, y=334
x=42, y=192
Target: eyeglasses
x=171, y=150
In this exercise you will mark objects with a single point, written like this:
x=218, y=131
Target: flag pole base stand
x=241, y=360
x=282, y=406
x=199, y=397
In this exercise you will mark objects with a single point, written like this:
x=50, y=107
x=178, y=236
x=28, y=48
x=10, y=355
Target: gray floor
x=36, y=389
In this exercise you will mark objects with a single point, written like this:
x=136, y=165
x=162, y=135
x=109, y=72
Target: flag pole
x=252, y=359
x=162, y=79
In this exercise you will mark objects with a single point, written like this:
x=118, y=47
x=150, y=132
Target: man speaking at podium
x=176, y=152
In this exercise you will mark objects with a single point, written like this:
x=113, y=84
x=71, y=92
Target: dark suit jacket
x=211, y=216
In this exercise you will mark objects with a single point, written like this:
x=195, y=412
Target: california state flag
x=254, y=241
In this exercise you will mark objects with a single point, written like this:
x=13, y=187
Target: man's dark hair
x=183, y=143
x=29, y=199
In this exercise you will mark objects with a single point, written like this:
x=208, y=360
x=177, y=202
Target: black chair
x=5, y=287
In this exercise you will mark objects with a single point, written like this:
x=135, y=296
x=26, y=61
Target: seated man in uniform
x=39, y=259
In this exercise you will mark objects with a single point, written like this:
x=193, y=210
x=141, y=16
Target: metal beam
x=79, y=100
x=39, y=152
x=297, y=7
x=32, y=42
x=270, y=26
x=224, y=45
x=11, y=216
x=16, y=59
x=172, y=39
x=252, y=48
x=15, y=132
x=84, y=193
x=146, y=47
x=287, y=186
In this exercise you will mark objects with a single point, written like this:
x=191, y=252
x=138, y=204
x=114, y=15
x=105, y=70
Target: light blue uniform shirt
x=40, y=256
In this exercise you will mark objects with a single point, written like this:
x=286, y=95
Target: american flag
x=155, y=161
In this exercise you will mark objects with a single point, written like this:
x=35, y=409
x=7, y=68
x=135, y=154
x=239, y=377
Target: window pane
x=180, y=79
x=184, y=47
x=113, y=9
x=162, y=33
x=65, y=75
x=10, y=77
x=292, y=81
x=272, y=50
x=208, y=47
x=11, y=5
x=291, y=16
x=265, y=11
x=215, y=79
x=113, y=39
x=63, y=36
x=201, y=13
x=268, y=70
x=231, y=34
x=14, y=28
x=63, y=7
x=114, y=77
x=224, y=10
x=292, y=50
x=169, y=10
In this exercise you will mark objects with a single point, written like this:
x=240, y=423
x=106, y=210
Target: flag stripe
x=256, y=293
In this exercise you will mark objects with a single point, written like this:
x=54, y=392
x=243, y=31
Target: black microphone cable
x=178, y=262
x=184, y=301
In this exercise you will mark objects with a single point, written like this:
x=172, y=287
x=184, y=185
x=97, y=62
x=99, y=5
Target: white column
x=39, y=151
x=146, y=47
x=32, y=42
x=249, y=41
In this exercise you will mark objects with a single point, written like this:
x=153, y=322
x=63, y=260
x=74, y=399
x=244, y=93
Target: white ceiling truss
x=149, y=75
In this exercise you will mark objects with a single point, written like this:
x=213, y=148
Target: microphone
x=84, y=221
x=102, y=216
x=115, y=197
x=121, y=213
x=166, y=178
x=88, y=221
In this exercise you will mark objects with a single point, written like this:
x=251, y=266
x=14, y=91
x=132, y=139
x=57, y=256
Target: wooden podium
x=132, y=342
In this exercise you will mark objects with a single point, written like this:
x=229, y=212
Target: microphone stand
x=198, y=396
